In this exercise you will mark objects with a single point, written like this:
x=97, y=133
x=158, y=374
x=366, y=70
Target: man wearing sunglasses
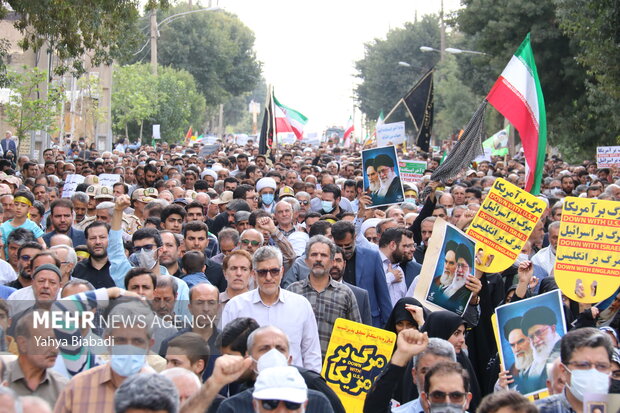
x=270, y=305
x=446, y=388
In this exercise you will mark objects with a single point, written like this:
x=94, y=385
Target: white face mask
x=272, y=358
x=446, y=408
x=588, y=381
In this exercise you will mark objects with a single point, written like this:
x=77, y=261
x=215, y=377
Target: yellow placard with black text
x=503, y=223
x=587, y=258
x=356, y=354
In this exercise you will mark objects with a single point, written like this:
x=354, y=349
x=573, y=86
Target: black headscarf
x=399, y=313
x=442, y=324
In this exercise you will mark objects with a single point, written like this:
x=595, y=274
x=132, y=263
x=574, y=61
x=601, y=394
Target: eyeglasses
x=586, y=365
x=439, y=396
x=374, y=240
x=248, y=242
x=306, y=202
x=273, y=404
x=462, y=265
x=346, y=247
x=263, y=272
x=147, y=247
x=25, y=258
x=538, y=333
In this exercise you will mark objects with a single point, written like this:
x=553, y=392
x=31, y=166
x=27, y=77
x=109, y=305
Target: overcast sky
x=308, y=48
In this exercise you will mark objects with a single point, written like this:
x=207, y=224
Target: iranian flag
x=348, y=133
x=518, y=96
x=289, y=120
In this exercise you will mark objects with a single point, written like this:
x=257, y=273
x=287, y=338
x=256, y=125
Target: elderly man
x=251, y=240
x=147, y=393
x=132, y=339
x=523, y=356
x=186, y=382
x=539, y=324
x=545, y=258
x=271, y=305
x=31, y=374
x=390, y=189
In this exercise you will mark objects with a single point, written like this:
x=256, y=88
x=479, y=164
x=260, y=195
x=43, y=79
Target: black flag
x=265, y=141
x=419, y=104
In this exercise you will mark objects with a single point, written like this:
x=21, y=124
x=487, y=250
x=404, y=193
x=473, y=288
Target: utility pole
x=154, y=41
x=221, y=121
x=442, y=35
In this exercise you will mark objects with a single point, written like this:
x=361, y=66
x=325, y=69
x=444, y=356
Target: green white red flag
x=348, y=133
x=289, y=120
x=518, y=96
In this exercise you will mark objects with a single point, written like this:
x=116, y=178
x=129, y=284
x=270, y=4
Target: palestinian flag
x=289, y=120
x=348, y=133
x=518, y=96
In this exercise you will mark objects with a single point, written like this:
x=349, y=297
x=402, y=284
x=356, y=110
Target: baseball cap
x=92, y=190
x=104, y=192
x=286, y=191
x=281, y=383
x=224, y=198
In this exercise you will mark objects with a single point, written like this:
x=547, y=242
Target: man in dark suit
x=361, y=295
x=364, y=269
x=61, y=212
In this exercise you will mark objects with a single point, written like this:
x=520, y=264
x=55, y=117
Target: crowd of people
x=237, y=265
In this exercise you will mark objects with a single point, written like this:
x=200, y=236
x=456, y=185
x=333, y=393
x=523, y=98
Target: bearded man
x=391, y=189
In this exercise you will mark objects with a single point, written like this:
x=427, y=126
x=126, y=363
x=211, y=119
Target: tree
x=141, y=100
x=577, y=122
x=91, y=110
x=71, y=28
x=384, y=81
x=179, y=104
x=214, y=46
x=33, y=103
x=134, y=98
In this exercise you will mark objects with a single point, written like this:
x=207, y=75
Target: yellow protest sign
x=503, y=223
x=356, y=354
x=587, y=259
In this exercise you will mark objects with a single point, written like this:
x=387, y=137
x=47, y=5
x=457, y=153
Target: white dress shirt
x=291, y=313
x=397, y=289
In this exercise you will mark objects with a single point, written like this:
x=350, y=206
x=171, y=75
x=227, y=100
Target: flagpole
x=393, y=109
x=273, y=119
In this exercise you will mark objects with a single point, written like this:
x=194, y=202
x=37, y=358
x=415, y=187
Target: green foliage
x=34, y=103
x=236, y=110
x=135, y=96
x=71, y=28
x=179, y=104
x=214, y=46
x=454, y=101
x=578, y=119
x=384, y=81
x=141, y=99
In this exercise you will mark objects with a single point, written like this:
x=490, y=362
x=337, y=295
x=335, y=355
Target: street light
x=429, y=49
x=452, y=50
x=404, y=64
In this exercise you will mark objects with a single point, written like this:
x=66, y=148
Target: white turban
x=369, y=223
x=209, y=172
x=266, y=183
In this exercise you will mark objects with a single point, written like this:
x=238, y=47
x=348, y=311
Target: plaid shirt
x=554, y=404
x=336, y=301
x=90, y=391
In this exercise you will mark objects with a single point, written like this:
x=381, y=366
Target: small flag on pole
x=348, y=133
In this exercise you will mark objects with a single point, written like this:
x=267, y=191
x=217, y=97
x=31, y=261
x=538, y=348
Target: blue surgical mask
x=267, y=199
x=327, y=206
x=127, y=360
